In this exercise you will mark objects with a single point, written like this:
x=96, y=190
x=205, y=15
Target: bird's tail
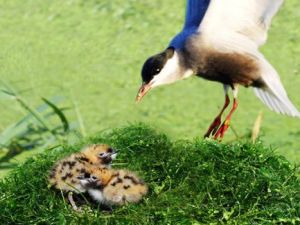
x=274, y=94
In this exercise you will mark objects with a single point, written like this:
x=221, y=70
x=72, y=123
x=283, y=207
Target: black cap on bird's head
x=152, y=67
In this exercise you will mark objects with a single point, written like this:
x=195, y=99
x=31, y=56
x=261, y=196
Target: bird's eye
x=103, y=155
x=81, y=177
x=94, y=178
x=157, y=70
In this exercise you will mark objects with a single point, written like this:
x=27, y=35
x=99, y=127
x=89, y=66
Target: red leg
x=220, y=133
x=217, y=121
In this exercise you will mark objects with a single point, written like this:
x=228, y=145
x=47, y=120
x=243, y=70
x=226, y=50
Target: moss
x=201, y=182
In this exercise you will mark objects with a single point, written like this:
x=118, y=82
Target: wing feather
x=236, y=21
x=274, y=94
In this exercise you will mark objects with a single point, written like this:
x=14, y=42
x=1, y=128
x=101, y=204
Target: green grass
x=191, y=182
x=91, y=51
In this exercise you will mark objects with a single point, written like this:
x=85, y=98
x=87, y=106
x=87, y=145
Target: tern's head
x=160, y=69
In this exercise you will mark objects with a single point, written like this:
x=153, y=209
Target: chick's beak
x=143, y=91
x=113, y=155
x=114, y=152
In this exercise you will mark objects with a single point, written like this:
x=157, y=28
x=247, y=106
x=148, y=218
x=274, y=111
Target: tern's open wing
x=240, y=24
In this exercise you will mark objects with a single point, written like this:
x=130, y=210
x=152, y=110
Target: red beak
x=142, y=91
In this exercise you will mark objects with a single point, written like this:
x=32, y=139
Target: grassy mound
x=201, y=182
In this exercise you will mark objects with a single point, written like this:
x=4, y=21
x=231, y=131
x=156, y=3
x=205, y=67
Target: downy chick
x=67, y=173
x=123, y=187
x=99, y=154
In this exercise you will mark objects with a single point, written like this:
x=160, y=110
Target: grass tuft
x=200, y=182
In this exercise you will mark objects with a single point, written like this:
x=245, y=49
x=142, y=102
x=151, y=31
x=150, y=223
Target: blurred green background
x=91, y=52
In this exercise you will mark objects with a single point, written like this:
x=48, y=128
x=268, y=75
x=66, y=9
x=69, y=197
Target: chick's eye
x=94, y=178
x=101, y=154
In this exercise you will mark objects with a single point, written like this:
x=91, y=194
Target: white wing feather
x=274, y=95
x=228, y=21
x=242, y=26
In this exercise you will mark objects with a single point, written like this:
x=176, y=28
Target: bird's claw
x=213, y=127
x=72, y=202
x=222, y=130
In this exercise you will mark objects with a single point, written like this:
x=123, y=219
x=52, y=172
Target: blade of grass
x=27, y=107
x=20, y=128
x=59, y=113
x=78, y=115
x=256, y=127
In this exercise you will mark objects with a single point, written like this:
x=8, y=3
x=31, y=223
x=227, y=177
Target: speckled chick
x=64, y=174
x=123, y=187
x=92, y=161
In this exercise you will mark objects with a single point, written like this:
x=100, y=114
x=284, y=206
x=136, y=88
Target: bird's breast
x=228, y=68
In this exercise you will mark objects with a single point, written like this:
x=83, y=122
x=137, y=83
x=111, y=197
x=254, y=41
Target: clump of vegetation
x=200, y=182
x=41, y=127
